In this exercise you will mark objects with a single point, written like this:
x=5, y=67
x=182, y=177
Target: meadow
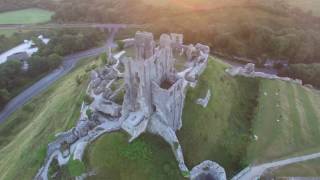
x=25, y=16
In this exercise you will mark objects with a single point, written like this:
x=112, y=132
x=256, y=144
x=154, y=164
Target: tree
x=4, y=97
x=54, y=60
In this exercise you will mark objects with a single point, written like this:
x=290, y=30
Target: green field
x=25, y=135
x=25, y=16
x=286, y=122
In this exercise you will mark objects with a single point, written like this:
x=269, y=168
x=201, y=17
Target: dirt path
x=254, y=172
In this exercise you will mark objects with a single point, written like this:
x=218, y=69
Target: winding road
x=68, y=64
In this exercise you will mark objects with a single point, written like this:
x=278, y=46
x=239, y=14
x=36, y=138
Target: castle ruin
x=153, y=101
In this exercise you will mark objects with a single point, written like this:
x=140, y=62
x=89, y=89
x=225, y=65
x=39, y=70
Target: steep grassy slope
x=25, y=135
x=286, y=122
x=220, y=132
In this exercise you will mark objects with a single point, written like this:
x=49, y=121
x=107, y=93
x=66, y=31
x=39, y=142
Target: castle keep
x=152, y=85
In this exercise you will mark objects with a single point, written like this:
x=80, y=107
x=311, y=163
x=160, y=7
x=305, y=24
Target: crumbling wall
x=144, y=45
x=249, y=71
x=169, y=103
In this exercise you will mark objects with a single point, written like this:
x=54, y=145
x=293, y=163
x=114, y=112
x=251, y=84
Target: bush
x=119, y=98
x=54, y=167
x=89, y=113
x=120, y=45
x=185, y=174
x=176, y=145
x=88, y=99
x=4, y=97
x=80, y=78
x=90, y=67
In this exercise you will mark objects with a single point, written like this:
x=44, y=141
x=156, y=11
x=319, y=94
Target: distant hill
x=307, y=5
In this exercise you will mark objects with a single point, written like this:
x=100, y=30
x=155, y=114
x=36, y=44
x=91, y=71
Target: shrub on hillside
x=88, y=99
x=80, y=78
x=120, y=45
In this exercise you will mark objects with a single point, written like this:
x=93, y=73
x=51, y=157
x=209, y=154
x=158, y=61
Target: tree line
x=64, y=42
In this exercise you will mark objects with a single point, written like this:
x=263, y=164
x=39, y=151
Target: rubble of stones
x=249, y=71
x=204, y=101
x=153, y=101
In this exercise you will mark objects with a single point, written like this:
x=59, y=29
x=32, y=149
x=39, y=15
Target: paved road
x=255, y=172
x=67, y=65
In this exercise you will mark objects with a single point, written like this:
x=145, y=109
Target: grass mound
x=148, y=157
x=220, y=132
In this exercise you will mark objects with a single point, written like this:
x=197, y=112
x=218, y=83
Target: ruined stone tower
x=152, y=85
x=144, y=45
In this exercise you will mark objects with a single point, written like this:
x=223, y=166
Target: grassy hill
x=286, y=122
x=224, y=131
x=25, y=135
x=283, y=116
x=220, y=132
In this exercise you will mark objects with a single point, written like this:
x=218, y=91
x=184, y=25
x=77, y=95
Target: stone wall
x=144, y=45
x=249, y=71
x=169, y=103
